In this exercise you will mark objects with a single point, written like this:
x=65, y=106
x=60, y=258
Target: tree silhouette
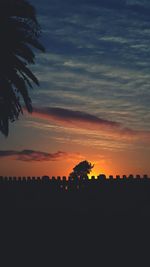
x=81, y=170
x=19, y=32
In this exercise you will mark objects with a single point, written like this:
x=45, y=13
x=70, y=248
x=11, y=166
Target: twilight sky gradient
x=94, y=98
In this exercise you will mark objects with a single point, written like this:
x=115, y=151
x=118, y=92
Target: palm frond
x=20, y=32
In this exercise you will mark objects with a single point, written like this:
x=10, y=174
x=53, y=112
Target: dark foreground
x=82, y=223
x=89, y=197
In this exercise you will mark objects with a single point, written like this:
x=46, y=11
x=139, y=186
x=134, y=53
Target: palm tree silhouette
x=19, y=34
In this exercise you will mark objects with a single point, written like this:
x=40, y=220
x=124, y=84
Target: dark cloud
x=142, y=8
x=32, y=155
x=124, y=5
x=82, y=120
x=29, y=155
x=72, y=117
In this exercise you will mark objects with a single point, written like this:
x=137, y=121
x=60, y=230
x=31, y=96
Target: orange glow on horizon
x=114, y=165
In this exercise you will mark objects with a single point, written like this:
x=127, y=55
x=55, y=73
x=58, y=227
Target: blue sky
x=96, y=62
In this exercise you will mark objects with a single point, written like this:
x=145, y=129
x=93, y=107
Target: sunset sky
x=93, y=102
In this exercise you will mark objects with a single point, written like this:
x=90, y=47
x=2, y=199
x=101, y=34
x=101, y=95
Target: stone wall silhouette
x=99, y=195
x=46, y=178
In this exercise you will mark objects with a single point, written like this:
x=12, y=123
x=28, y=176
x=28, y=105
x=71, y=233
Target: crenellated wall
x=67, y=179
x=106, y=194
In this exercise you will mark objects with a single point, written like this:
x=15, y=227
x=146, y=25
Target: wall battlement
x=99, y=194
x=67, y=179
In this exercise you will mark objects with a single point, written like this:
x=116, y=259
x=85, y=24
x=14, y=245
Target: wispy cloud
x=32, y=155
x=97, y=59
x=110, y=89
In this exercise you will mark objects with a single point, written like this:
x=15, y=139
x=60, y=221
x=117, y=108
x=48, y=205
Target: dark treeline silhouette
x=101, y=195
x=20, y=32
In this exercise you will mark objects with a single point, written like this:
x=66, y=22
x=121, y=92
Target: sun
x=97, y=170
